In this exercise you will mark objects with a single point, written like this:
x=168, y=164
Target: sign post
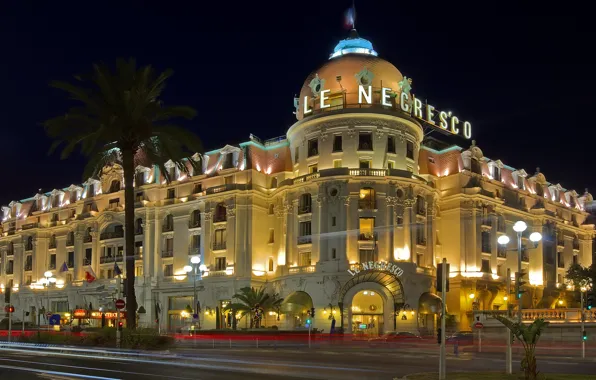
x=583, y=325
x=9, y=321
x=478, y=325
x=119, y=305
x=442, y=358
x=508, y=354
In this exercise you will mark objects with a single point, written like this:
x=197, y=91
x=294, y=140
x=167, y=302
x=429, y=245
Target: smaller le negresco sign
x=377, y=265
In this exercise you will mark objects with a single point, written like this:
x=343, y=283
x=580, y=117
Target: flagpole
x=118, y=337
x=354, y=10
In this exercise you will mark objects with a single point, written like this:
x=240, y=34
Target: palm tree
x=528, y=336
x=121, y=119
x=250, y=298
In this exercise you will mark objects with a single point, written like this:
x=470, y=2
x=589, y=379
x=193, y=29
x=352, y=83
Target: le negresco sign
x=377, y=265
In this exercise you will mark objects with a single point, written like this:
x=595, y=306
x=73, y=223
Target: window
x=520, y=182
x=228, y=161
x=139, y=179
x=296, y=154
x=60, y=306
x=367, y=229
x=139, y=226
x=313, y=147
x=271, y=235
x=219, y=239
x=575, y=260
x=120, y=251
x=270, y=265
x=367, y=199
x=70, y=239
x=365, y=141
x=486, y=242
x=390, y=144
x=420, y=205
x=333, y=221
x=560, y=260
x=171, y=194
x=390, y=164
x=90, y=190
x=88, y=256
x=70, y=260
x=168, y=224
x=220, y=213
x=500, y=271
x=560, y=278
x=55, y=217
x=28, y=263
x=485, y=266
x=365, y=164
x=139, y=271
x=399, y=220
x=367, y=255
x=195, y=219
x=304, y=259
x=29, y=245
x=410, y=150
x=337, y=163
x=305, y=204
x=337, y=143
x=172, y=173
x=271, y=208
x=333, y=254
x=420, y=259
x=115, y=186
x=312, y=169
x=114, y=204
x=496, y=173
x=220, y=263
x=73, y=196
x=28, y=280
x=198, y=188
x=168, y=270
x=52, y=261
x=305, y=228
x=420, y=234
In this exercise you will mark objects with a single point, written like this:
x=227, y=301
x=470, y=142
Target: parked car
x=394, y=338
x=463, y=338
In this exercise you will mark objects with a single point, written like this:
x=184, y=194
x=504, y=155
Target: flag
x=64, y=268
x=90, y=275
x=350, y=18
x=117, y=271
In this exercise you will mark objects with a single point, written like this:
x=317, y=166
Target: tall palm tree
x=248, y=300
x=120, y=118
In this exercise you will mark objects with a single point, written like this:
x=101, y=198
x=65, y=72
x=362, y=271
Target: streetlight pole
x=195, y=261
x=519, y=268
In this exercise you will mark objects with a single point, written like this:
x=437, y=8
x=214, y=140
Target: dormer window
x=172, y=173
x=115, y=186
x=56, y=201
x=90, y=190
x=520, y=183
x=496, y=173
x=228, y=162
x=140, y=179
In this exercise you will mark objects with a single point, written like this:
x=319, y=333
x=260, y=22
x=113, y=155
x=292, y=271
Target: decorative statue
x=257, y=315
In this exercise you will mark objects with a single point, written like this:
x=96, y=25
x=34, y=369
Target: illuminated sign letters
x=377, y=265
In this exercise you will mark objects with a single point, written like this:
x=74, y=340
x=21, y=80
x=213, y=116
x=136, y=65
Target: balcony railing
x=194, y=223
x=70, y=264
x=28, y=267
x=106, y=259
x=368, y=172
x=9, y=271
x=52, y=266
x=560, y=242
x=69, y=243
x=304, y=269
x=52, y=245
x=219, y=246
x=368, y=237
x=111, y=235
x=420, y=240
x=87, y=239
x=28, y=247
x=554, y=315
x=576, y=245
x=194, y=251
x=87, y=261
x=501, y=227
x=366, y=204
x=167, y=228
x=138, y=256
x=305, y=209
x=502, y=252
x=9, y=253
x=304, y=240
x=167, y=253
x=487, y=221
x=29, y=226
x=139, y=231
x=217, y=218
x=421, y=210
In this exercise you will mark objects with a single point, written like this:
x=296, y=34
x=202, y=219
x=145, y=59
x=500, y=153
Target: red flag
x=90, y=275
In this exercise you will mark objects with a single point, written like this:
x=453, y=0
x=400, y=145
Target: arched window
x=139, y=226
x=70, y=239
x=220, y=213
x=305, y=204
x=420, y=205
x=270, y=266
x=367, y=199
x=29, y=245
x=168, y=224
x=115, y=186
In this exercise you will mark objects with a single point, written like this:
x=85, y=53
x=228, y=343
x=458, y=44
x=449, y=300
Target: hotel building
x=348, y=213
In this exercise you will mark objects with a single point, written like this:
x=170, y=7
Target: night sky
x=524, y=77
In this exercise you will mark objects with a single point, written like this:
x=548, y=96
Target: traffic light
x=312, y=312
x=584, y=335
x=120, y=326
x=440, y=278
x=439, y=335
x=11, y=309
x=590, y=300
x=520, y=283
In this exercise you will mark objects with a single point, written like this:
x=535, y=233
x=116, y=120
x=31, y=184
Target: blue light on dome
x=353, y=46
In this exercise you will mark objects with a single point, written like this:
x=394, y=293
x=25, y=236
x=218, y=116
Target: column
x=148, y=248
x=95, y=252
x=351, y=212
x=431, y=233
x=232, y=241
x=156, y=253
x=206, y=237
x=409, y=220
x=79, y=256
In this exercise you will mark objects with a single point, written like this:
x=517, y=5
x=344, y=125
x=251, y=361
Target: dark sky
x=523, y=74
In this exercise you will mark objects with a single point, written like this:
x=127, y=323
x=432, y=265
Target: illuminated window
x=171, y=194
x=304, y=259
x=390, y=164
x=486, y=246
x=220, y=263
x=366, y=200
x=365, y=164
x=333, y=221
x=305, y=204
x=313, y=169
x=337, y=163
x=367, y=229
x=139, y=271
x=366, y=255
x=270, y=266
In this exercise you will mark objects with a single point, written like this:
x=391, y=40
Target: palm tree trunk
x=129, y=236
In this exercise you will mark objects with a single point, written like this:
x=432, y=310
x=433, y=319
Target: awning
x=296, y=303
x=429, y=304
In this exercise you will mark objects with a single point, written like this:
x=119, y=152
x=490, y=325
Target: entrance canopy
x=296, y=303
x=385, y=279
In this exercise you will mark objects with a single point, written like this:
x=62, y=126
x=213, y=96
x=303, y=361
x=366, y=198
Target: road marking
x=70, y=375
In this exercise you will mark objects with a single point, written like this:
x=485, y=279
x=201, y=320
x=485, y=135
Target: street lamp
x=197, y=269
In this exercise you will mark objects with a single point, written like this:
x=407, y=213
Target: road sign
x=478, y=325
x=54, y=319
x=120, y=304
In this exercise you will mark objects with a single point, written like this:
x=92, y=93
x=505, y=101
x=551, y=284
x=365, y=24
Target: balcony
x=487, y=221
x=139, y=231
x=111, y=235
x=420, y=240
x=501, y=227
x=119, y=258
x=29, y=226
x=421, y=211
x=366, y=204
x=561, y=264
x=138, y=255
x=106, y=259
x=502, y=252
x=28, y=267
x=194, y=251
x=218, y=218
x=167, y=253
x=219, y=246
x=304, y=269
x=560, y=242
x=9, y=271
x=304, y=240
x=28, y=247
x=367, y=237
x=305, y=209
x=167, y=228
x=69, y=243
x=228, y=187
x=87, y=239
x=52, y=266
x=87, y=261
x=194, y=223
x=368, y=172
x=70, y=264
x=10, y=252
x=576, y=245
x=52, y=245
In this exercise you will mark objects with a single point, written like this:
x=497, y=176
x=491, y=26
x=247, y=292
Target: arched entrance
x=296, y=307
x=388, y=291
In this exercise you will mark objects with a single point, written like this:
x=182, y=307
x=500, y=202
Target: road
x=262, y=364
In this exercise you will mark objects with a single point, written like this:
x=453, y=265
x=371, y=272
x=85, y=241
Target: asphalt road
x=262, y=364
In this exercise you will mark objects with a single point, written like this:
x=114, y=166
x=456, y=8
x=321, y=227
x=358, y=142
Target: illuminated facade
x=348, y=213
